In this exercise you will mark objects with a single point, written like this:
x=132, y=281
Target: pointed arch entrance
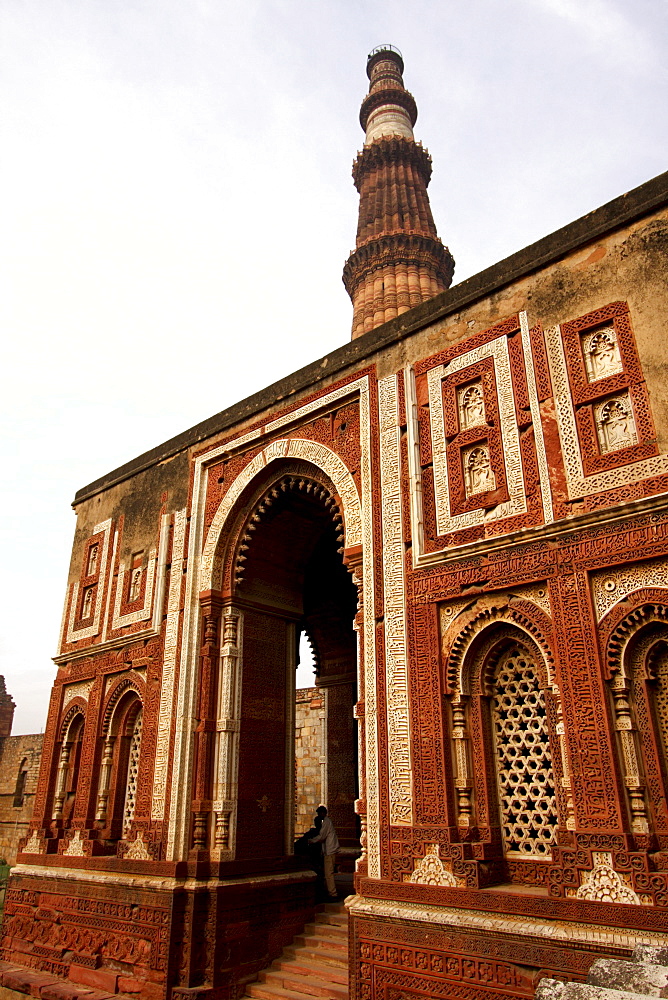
x=279, y=566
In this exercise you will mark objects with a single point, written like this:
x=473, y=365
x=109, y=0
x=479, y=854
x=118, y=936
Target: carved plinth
x=138, y=937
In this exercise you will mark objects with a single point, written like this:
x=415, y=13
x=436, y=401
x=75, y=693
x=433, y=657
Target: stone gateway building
x=465, y=509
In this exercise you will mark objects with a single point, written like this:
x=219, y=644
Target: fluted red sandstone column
x=398, y=261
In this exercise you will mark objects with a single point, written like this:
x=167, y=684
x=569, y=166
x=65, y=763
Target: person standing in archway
x=330, y=845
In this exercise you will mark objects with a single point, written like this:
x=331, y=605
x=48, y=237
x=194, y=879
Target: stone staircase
x=315, y=965
x=646, y=975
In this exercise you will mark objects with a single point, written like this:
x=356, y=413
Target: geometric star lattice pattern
x=523, y=759
x=133, y=771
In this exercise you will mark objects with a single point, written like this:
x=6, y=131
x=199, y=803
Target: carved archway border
x=121, y=687
x=484, y=656
x=251, y=509
x=486, y=613
x=310, y=451
x=77, y=706
x=204, y=539
x=660, y=640
x=497, y=628
x=327, y=472
x=635, y=629
x=621, y=625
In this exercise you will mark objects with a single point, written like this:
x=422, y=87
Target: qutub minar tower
x=398, y=261
x=465, y=510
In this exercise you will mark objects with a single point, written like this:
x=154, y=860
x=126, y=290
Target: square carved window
x=476, y=467
x=89, y=579
x=479, y=467
x=612, y=413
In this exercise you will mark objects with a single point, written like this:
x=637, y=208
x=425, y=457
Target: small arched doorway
x=288, y=578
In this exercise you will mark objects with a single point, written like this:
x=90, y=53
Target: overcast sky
x=177, y=207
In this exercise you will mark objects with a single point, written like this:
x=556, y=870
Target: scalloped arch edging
x=309, y=451
x=486, y=619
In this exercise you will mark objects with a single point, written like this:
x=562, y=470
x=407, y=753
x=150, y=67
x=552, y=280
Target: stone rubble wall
x=646, y=975
x=309, y=723
x=16, y=754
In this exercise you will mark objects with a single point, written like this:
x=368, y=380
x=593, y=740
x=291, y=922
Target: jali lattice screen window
x=527, y=802
x=133, y=771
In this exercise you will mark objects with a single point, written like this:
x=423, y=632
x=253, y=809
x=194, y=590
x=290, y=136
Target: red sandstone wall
x=550, y=586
